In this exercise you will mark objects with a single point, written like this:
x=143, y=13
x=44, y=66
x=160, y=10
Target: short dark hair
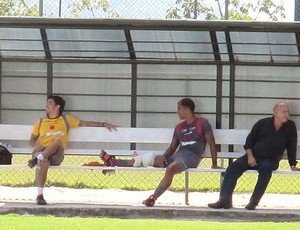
x=58, y=101
x=188, y=102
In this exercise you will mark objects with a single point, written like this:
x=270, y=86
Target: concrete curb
x=156, y=212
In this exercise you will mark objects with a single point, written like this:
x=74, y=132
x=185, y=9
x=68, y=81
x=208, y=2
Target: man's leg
x=41, y=179
x=125, y=163
x=164, y=184
x=178, y=162
x=110, y=160
x=47, y=153
x=265, y=168
x=52, y=148
x=233, y=173
x=55, y=151
x=166, y=181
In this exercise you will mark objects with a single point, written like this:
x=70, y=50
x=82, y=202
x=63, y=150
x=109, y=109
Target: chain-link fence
x=139, y=180
x=158, y=9
x=155, y=9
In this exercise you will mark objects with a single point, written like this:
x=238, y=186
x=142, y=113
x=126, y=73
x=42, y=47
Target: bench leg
x=36, y=176
x=186, y=187
x=221, y=179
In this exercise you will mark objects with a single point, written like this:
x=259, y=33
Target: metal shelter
x=133, y=72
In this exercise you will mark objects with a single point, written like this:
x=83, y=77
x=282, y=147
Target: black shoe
x=149, y=202
x=40, y=200
x=220, y=204
x=32, y=162
x=251, y=206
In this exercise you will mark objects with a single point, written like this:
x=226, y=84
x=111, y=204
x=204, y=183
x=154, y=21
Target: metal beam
x=49, y=78
x=162, y=62
x=219, y=82
x=147, y=24
x=133, y=100
x=130, y=45
x=231, y=79
x=1, y=78
x=45, y=43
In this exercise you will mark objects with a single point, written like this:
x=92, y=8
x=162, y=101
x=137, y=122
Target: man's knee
x=57, y=142
x=235, y=170
x=268, y=166
x=45, y=163
x=173, y=168
x=231, y=168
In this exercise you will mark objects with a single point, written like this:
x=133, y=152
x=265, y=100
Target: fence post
x=36, y=175
x=186, y=187
x=41, y=8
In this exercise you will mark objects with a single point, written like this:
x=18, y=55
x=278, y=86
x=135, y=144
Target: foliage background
x=273, y=10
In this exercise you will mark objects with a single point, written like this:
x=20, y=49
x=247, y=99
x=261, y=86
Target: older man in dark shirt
x=264, y=147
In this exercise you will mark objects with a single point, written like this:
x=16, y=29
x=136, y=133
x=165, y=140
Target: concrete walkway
x=127, y=204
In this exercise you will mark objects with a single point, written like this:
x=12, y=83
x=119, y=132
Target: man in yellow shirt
x=49, y=139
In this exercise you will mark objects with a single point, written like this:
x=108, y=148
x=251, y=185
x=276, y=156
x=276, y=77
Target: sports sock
x=40, y=190
x=40, y=157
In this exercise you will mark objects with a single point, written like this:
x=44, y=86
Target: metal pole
x=220, y=9
x=41, y=8
x=195, y=9
x=59, y=9
x=297, y=10
x=226, y=9
x=1, y=79
x=133, y=100
x=186, y=188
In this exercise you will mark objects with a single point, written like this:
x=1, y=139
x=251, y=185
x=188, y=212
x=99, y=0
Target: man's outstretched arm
x=107, y=125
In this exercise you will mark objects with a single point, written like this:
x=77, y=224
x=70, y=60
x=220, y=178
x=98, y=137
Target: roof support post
x=219, y=83
x=133, y=99
x=1, y=92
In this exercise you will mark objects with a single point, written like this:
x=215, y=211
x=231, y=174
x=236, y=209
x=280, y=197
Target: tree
x=237, y=10
x=96, y=8
x=17, y=8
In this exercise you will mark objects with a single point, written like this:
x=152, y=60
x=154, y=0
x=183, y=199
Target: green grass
x=12, y=221
x=130, y=180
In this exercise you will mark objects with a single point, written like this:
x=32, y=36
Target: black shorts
x=185, y=159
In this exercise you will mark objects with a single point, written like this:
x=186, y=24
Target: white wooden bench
x=223, y=137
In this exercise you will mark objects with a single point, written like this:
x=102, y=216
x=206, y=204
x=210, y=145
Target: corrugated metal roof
x=171, y=41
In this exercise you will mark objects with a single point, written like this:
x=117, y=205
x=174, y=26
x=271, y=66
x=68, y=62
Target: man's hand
x=39, y=148
x=294, y=168
x=159, y=161
x=216, y=167
x=251, y=161
x=110, y=126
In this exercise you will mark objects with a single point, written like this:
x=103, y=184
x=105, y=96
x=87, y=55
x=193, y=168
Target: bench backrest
x=125, y=135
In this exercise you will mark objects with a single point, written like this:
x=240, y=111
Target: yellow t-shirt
x=54, y=128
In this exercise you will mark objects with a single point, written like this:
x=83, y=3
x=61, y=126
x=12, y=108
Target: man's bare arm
x=169, y=151
x=109, y=126
x=213, y=150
